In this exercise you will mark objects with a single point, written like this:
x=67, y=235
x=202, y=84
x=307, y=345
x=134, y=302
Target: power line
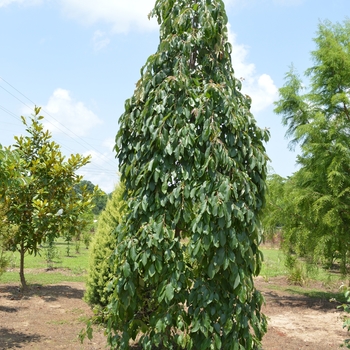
x=12, y=114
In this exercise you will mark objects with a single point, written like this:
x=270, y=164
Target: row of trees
x=312, y=207
x=38, y=192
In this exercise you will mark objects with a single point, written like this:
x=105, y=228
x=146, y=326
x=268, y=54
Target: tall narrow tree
x=194, y=166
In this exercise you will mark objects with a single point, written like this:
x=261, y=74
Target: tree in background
x=9, y=175
x=102, y=248
x=194, y=166
x=100, y=197
x=274, y=210
x=318, y=219
x=99, y=201
x=5, y=231
x=44, y=204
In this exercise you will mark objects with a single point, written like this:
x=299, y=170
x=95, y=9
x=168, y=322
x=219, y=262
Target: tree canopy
x=39, y=197
x=100, y=197
x=194, y=165
x=318, y=118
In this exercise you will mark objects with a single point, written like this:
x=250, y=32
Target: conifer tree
x=102, y=247
x=194, y=166
x=318, y=118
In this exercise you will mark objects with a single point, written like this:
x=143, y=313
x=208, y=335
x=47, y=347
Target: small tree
x=44, y=205
x=102, y=248
x=194, y=166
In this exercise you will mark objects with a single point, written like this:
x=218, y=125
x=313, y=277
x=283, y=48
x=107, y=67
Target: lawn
x=61, y=268
x=74, y=268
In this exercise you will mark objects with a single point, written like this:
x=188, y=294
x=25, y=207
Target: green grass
x=327, y=282
x=64, y=268
x=273, y=264
x=74, y=268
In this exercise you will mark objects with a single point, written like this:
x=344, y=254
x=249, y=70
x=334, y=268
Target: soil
x=51, y=317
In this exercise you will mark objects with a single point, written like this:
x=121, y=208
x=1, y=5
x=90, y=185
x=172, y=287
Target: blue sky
x=80, y=59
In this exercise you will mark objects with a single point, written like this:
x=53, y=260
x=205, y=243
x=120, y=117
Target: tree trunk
x=21, y=268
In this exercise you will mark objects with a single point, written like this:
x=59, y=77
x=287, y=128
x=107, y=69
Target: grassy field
x=315, y=282
x=274, y=266
x=74, y=268
x=62, y=268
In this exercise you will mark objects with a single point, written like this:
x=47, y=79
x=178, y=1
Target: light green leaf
x=169, y=292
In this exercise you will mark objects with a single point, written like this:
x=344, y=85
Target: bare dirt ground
x=50, y=317
x=300, y=322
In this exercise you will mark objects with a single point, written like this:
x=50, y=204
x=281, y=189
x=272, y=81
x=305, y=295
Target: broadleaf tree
x=194, y=166
x=100, y=197
x=318, y=118
x=41, y=201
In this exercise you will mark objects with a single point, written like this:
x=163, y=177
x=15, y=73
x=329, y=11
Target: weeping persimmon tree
x=194, y=166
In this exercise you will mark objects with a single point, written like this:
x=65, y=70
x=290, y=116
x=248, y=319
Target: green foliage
x=4, y=260
x=274, y=211
x=102, y=247
x=9, y=172
x=51, y=253
x=296, y=270
x=316, y=207
x=6, y=232
x=346, y=319
x=99, y=200
x=194, y=166
x=44, y=205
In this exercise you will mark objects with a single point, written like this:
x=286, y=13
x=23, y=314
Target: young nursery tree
x=102, y=247
x=42, y=203
x=194, y=166
x=319, y=120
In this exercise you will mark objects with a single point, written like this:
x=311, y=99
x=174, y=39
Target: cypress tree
x=102, y=247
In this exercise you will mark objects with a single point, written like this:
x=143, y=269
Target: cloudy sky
x=80, y=60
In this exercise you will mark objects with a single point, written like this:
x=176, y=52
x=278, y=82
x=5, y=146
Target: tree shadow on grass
x=13, y=339
x=307, y=299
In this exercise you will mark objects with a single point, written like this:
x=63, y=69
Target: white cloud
x=102, y=170
x=68, y=115
x=4, y=3
x=100, y=40
x=109, y=143
x=260, y=88
x=123, y=15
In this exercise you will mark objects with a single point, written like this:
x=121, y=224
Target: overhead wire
x=107, y=160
